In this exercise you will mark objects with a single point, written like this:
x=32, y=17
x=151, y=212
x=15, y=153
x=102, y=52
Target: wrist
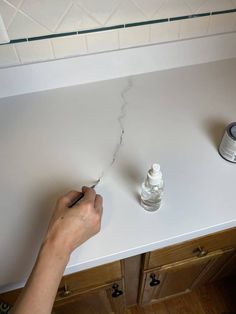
x=54, y=250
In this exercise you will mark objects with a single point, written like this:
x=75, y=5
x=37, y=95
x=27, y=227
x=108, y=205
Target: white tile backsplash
x=216, y=5
x=102, y=41
x=45, y=12
x=126, y=12
x=15, y=3
x=172, y=8
x=134, y=36
x=150, y=7
x=100, y=10
x=194, y=27
x=35, y=51
x=22, y=24
x=7, y=12
x=32, y=18
x=234, y=3
x=163, y=32
x=222, y=23
x=76, y=19
x=69, y=46
x=8, y=56
x=195, y=5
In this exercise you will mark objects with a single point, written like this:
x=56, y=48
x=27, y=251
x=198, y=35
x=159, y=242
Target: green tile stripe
x=128, y=25
x=145, y=23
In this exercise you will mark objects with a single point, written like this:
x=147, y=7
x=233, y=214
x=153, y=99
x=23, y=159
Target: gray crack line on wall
x=123, y=112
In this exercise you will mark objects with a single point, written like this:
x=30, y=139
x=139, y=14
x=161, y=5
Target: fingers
x=98, y=203
x=69, y=198
x=89, y=194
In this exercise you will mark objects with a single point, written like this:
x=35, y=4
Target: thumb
x=70, y=198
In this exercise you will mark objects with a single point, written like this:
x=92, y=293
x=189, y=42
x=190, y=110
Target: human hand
x=70, y=227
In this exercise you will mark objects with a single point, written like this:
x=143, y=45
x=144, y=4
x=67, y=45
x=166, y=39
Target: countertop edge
x=135, y=251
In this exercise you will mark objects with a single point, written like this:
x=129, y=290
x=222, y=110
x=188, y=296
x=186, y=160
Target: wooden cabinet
x=180, y=277
x=90, y=279
x=102, y=300
x=197, y=247
x=179, y=268
x=96, y=290
x=146, y=278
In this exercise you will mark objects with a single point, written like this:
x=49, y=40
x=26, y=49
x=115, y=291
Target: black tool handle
x=80, y=197
x=76, y=200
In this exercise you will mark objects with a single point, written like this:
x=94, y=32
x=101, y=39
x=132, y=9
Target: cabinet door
x=221, y=265
x=227, y=269
x=104, y=300
x=177, y=278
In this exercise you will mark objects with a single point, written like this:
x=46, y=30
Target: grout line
x=141, y=10
x=120, y=26
x=17, y=54
x=15, y=13
x=118, y=37
x=10, y=4
x=33, y=20
x=149, y=34
x=208, y=25
x=61, y=18
x=86, y=43
x=138, y=8
x=52, y=49
x=179, y=30
x=84, y=10
x=115, y=9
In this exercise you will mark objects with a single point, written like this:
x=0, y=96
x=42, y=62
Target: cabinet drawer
x=104, y=300
x=198, y=247
x=10, y=297
x=88, y=279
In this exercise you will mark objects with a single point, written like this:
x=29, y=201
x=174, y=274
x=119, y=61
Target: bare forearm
x=41, y=288
x=69, y=227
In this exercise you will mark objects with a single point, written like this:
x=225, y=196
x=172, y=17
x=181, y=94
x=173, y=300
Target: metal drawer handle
x=116, y=293
x=65, y=291
x=201, y=252
x=154, y=282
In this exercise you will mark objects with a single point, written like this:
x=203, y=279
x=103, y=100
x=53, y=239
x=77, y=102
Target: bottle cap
x=154, y=175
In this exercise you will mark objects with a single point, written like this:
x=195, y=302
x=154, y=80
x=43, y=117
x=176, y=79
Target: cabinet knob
x=116, y=293
x=154, y=281
x=200, y=251
x=65, y=291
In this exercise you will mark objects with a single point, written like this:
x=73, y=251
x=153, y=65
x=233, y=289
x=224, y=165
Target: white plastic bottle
x=152, y=189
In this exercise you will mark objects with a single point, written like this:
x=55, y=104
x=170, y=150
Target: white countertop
x=61, y=139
